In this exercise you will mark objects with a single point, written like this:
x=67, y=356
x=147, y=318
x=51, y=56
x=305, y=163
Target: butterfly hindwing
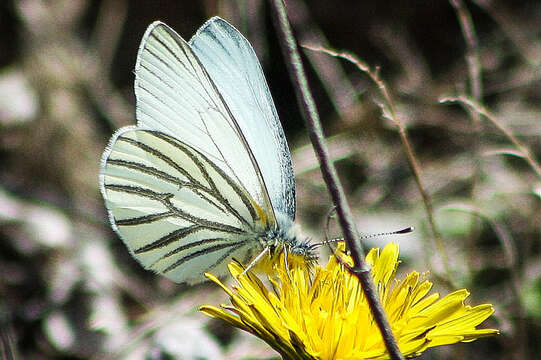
x=176, y=211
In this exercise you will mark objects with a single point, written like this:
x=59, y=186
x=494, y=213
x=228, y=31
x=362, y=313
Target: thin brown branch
x=523, y=149
x=475, y=89
x=472, y=56
x=311, y=117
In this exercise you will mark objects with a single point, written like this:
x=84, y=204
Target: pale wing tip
x=151, y=28
x=216, y=21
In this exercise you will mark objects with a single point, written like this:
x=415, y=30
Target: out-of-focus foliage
x=69, y=288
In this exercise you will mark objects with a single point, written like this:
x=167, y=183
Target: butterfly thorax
x=287, y=239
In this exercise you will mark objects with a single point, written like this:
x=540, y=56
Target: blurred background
x=69, y=288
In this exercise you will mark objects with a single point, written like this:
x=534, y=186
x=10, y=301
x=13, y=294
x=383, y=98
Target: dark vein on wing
x=198, y=244
x=224, y=256
x=160, y=156
x=159, y=96
x=196, y=187
x=165, y=199
x=207, y=177
x=152, y=171
x=146, y=219
x=192, y=74
x=205, y=251
x=169, y=238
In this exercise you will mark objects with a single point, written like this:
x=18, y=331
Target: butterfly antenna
x=364, y=237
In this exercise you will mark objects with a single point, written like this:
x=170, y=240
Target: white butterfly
x=206, y=174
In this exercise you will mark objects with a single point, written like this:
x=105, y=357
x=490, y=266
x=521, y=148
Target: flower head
x=323, y=314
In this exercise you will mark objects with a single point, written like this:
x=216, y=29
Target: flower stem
x=311, y=117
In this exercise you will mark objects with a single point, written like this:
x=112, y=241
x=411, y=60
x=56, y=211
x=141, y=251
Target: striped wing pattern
x=175, y=209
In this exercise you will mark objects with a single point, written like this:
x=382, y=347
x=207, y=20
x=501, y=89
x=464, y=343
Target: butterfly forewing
x=177, y=212
x=233, y=66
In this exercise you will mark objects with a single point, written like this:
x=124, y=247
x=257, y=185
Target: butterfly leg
x=256, y=259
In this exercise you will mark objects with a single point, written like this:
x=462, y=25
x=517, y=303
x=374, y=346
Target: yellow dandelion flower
x=322, y=313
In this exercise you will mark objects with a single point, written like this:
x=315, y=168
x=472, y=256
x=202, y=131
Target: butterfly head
x=286, y=239
x=300, y=253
